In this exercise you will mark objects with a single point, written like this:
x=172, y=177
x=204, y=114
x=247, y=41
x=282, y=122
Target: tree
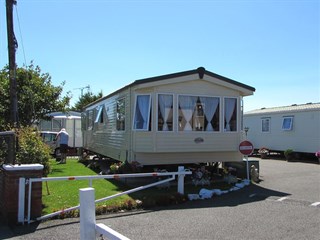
x=86, y=99
x=36, y=96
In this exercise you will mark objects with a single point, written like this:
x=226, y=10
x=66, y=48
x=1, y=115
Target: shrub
x=32, y=149
x=288, y=154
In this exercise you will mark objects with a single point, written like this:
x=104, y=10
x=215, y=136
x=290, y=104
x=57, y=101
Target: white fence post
x=21, y=199
x=87, y=214
x=181, y=180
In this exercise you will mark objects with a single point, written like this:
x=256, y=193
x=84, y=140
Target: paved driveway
x=282, y=206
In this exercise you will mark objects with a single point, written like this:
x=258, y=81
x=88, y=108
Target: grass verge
x=65, y=194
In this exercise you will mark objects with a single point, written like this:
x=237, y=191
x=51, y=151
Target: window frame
x=121, y=122
x=269, y=124
x=196, y=108
x=90, y=116
x=173, y=112
x=100, y=112
x=149, y=117
x=283, y=127
x=237, y=114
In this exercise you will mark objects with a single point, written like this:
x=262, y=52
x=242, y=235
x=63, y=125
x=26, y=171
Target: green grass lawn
x=64, y=194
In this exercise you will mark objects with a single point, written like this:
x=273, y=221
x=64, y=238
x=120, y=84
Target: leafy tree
x=32, y=149
x=86, y=99
x=35, y=93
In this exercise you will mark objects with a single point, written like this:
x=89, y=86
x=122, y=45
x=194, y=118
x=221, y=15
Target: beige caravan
x=187, y=117
x=295, y=127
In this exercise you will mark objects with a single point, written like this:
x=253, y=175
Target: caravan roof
x=286, y=109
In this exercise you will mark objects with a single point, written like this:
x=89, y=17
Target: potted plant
x=289, y=154
x=263, y=152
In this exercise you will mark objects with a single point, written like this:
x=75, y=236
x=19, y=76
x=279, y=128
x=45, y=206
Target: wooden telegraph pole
x=12, y=45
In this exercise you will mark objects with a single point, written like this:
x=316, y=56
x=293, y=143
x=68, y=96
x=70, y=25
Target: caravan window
x=100, y=114
x=141, y=120
x=165, y=112
x=287, y=123
x=83, y=121
x=265, y=124
x=121, y=114
x=211, y=109
x=57, y=124
x=230, y=114
x=198, y=113
x=90, y=119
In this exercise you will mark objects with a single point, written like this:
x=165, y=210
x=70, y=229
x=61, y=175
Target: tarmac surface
x=284, y=205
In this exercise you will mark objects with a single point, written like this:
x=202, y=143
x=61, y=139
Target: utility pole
x=82, y=88
x=12, y=45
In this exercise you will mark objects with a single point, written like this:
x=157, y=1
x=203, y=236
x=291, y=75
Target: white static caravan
x=71, y=121
x=187, y=117
x=294, y=127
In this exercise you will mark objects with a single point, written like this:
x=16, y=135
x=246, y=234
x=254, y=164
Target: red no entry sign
x=246, y=147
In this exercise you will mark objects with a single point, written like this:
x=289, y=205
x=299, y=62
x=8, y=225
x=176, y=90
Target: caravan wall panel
x=103, y=138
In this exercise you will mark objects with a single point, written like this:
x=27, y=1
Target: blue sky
x=272, y=45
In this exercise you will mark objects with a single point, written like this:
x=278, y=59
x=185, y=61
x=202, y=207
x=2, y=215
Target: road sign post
x=246, y=148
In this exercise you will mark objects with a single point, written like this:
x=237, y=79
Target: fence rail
x=22, y=183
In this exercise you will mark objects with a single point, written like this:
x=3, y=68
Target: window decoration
x=142, y=113
x=230, y=114
x=165, y=112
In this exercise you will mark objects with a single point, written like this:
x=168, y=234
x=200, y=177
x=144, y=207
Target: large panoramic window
x=141, y=119
x=265, y=124
x=287, y=123
x=198, y=113
x=230, y=114
x=165, y=112
x=121, y=114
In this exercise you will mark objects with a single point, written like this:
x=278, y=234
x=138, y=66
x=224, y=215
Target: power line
x=21, y=38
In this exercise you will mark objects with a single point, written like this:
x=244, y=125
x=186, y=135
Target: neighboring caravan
x=295, y=127
x=187, y=117
x=71, y=121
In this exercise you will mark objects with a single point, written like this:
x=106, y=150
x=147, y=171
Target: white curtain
x=165, y=104
x=143, y=107
x=187, y=105
x=210, y=105
x=229, y=106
